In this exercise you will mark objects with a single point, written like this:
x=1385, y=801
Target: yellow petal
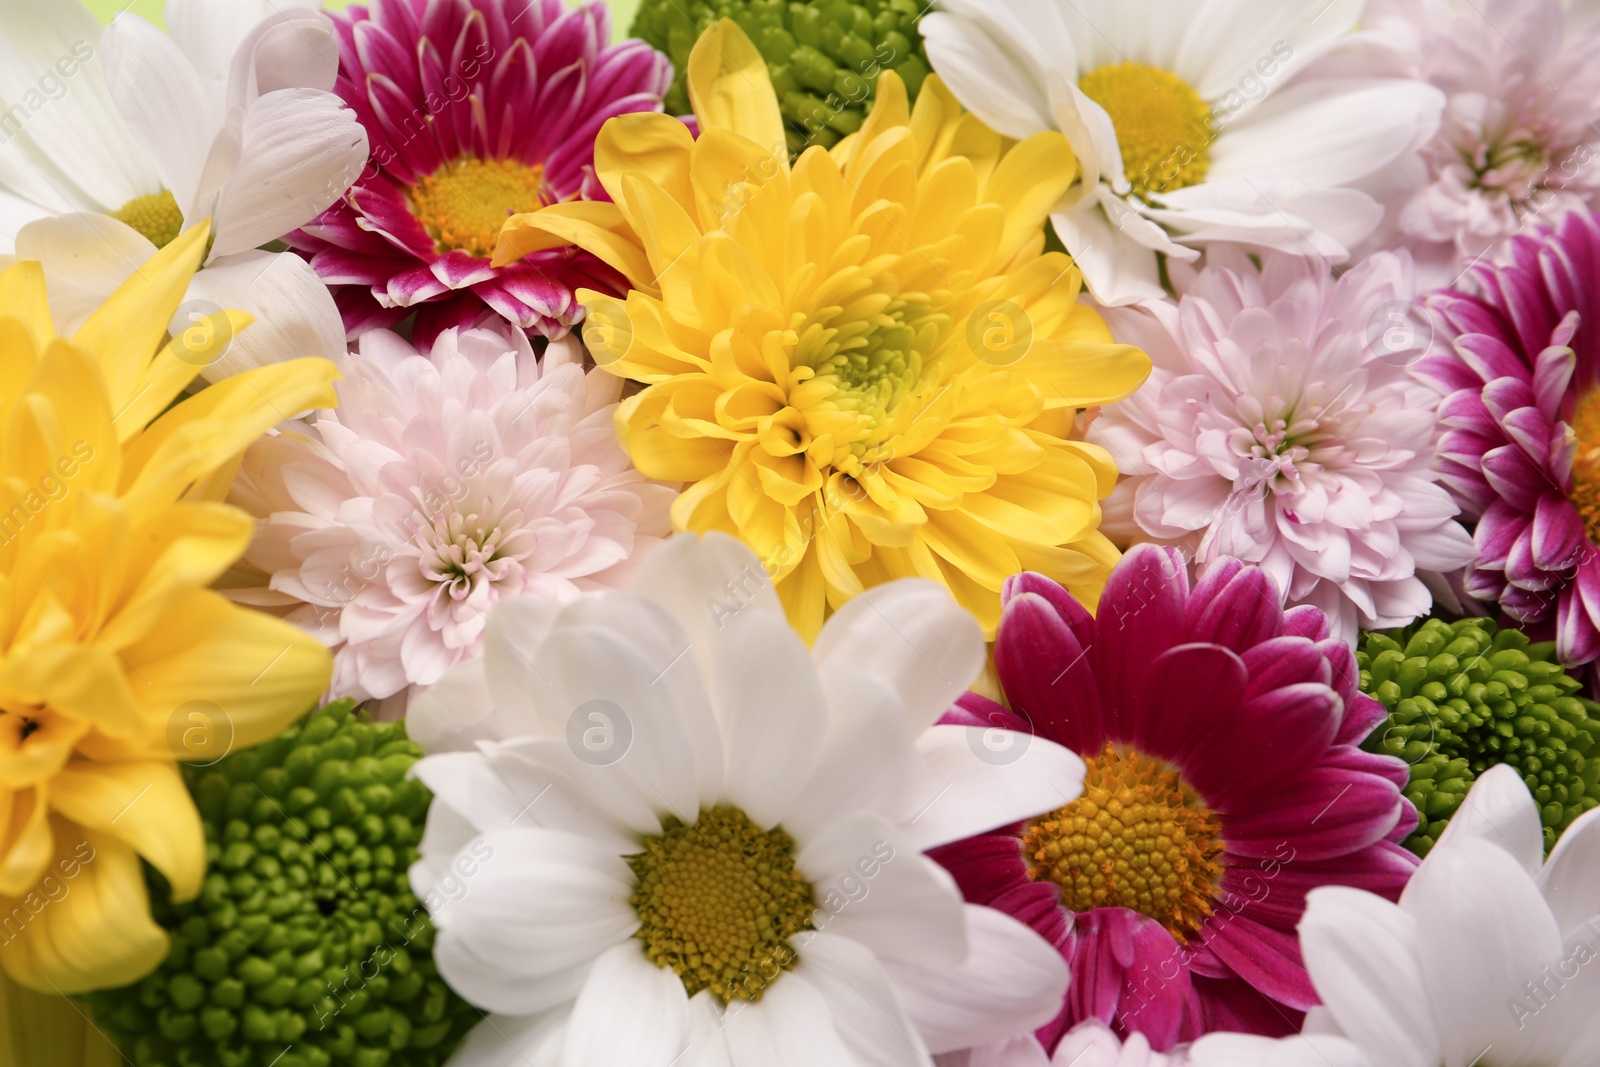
x=87, y=924
x=25, y=842
x=593, y=226
x=193, y=545
x=730, y=89
x=143, y=804
x=1029, y=182
x=1079, y=375
x=23, y=298
x=43, y=1028
x=648, y=145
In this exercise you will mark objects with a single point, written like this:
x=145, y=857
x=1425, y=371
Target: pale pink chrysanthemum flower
x=1516, y=140
x=1282, y=426
x=443, y=482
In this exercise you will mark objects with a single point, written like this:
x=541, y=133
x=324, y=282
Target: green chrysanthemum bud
x=1464, y=696
x=824, y=55
x=306, y=947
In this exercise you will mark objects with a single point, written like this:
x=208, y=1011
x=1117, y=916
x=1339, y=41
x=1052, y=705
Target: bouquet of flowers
x=996, y=533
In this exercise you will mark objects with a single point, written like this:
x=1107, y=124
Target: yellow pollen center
x=1586, y=461
x=1138, y=838
x=463, y=204
x=155, y=216
x=717, y=902
x=1162, y=124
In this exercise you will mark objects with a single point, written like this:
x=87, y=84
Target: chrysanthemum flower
x=690, y=841
x=306, y=945
x=863, y=364
x=1274, y=430
x=825, y=57
x=1517, y=137
x=1224, y=783
x=1488, y=958
x=477, y=109
x=1193, y=123
x=1518, y=359
x=443, y=482
x=115, y=658
x=227, y=119
x=1463, y=697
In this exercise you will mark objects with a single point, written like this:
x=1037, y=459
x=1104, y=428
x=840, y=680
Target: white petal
x=1243, y=1050
x=162, y=100
x=790, y=1026
x=1361, y=953
x=1328, y=132
x=704, y=580
x=707, y=1041
x=866, y=1013
x=48, y=67
x=15, y=213
x=1011, y=982
x=1483, y=929
x=1500, y=811
x=209, y=32
x=973, y=784
x=630, y=1012
x=514, y=631
x=301, y=149
x=455, y=713
x=915, y=636
x=532, y=919
x=288, y=48
x=294, y=313
x=1116, y=269
x=1272, y=212
x=873, y=886
x=1229, y=40
x=514, y=1041
x=86, y=258
x=984, y=56
x=1571, y=876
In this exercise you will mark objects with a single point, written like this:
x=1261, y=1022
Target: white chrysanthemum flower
x=111, y=145
x=1518, y=138
x=1489, y=958
x=1089, y=1044
x=1279, y=429
x=1192, y=123
x=391, y=524
x=672, y=835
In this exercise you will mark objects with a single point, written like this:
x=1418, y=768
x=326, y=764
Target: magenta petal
x=1362, y=715
x=1140, y=616
x=1155, y=988
x=1233, y=1005
x=1185, y=705
x=1305, y=621
x=1047, y=674
x=1323, y=814
x=1038, y=904
x=1283, y=661
x=1497, y=531
x=1238, y=611
x=986, y=867
x=1267, y=958
x=1512, y=474
x=1243, y=758
x=1074, y=614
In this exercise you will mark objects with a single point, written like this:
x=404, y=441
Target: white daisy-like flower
x=673, y=835
x=1193, y=123
x=1491, y=956
x=112, y=145
x=1089, y=1044
x=1279, y=428
x=443, y=482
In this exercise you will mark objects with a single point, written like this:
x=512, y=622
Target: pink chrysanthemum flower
x=1517, y=138
x=1224, y=783
x=476, y=110
x=442, y=483
x=1282, y=426
x=1518, y=357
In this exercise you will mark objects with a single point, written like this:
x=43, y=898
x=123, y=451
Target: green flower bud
x=1464, y=696
x=824, y=55
x=306, y=945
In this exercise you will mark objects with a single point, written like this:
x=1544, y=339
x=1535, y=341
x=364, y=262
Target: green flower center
x=1465, y=696
x=718, y=900
x=156, y=216
x=1161, y=123
x=1138, y=837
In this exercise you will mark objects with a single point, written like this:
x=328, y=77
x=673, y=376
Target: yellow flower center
x=1586, y=461
x=463, y=204
x=1161, y=122
x=1137, y=838
x=156, y=216
x=718, y=901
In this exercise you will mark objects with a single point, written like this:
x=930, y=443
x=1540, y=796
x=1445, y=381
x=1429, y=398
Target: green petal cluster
x=306, y=947
x=824, y=55
x=1464, y=696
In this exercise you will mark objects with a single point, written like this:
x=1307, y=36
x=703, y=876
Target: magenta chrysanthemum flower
x=1519, y=362
x=476, y=110
x=1223, y=785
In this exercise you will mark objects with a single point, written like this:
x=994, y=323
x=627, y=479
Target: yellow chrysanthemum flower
x=865, y=365
x=113, y=653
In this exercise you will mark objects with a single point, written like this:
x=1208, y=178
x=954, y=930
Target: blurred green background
x=621, y=11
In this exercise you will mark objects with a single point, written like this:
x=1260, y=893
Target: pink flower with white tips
x=477, y=110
